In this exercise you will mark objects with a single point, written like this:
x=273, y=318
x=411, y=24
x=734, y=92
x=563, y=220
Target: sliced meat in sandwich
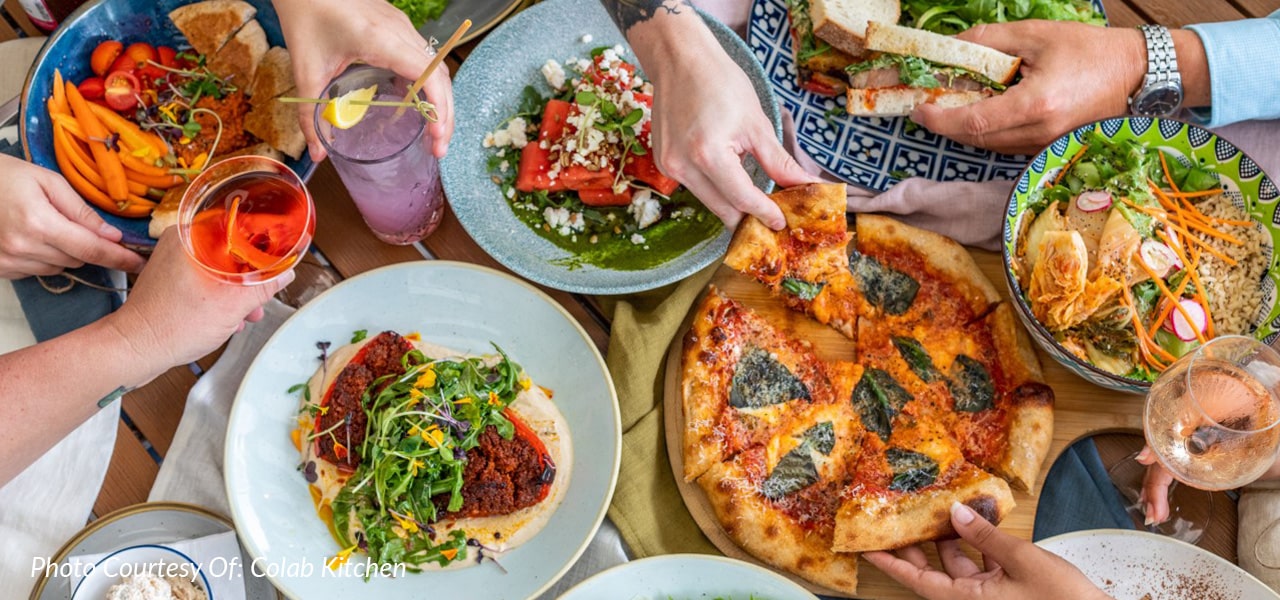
x=209, y=24
x=909, y=67
x=820, y=67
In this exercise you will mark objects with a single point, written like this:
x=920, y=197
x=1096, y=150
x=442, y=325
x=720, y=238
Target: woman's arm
x=174, y=315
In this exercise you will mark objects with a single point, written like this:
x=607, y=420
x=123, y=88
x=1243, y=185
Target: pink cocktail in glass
x=385, y=160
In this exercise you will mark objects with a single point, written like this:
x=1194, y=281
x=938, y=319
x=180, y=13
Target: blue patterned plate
x=68, y=50
x=1242, y=181
x=873, y=153
x=487, y=90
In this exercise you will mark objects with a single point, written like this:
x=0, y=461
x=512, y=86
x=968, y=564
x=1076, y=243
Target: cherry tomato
x=168, y=56
x=92, y=88
x=122, y=64
x=148, y=74
x=141, y=52
x=122, y=90
x=105, y=54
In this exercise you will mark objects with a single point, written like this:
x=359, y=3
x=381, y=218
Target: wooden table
x=344, y=248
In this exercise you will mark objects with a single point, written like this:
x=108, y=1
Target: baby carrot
x=79, y=183
x=108, y=160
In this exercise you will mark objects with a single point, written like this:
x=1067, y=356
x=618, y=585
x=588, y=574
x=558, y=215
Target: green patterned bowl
x=1243, y=179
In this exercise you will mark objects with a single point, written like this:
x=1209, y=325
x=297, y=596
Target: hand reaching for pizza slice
x=1012, y=568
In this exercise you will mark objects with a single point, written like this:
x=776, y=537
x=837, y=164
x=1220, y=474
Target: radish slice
x=1187, y=330
x=1159, y=258
x=1093, y=201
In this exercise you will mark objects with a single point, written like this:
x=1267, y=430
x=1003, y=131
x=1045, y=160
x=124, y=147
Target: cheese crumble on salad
x=578, y=166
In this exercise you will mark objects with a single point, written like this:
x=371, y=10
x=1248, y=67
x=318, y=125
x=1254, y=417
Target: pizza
x=807, y=462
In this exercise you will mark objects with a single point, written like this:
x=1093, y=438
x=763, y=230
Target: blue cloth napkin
x=51, y=315
x=1078, y=495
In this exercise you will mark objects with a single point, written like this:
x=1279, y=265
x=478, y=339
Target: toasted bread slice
x=238, y=59
x=942, y=49
x=209, y=24
x=843, y=23
x=901, y=100
x=273, y=77
x=276, y=123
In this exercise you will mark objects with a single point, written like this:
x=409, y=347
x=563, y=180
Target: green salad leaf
x=953, y=16
x=421, y=11
x=918, y=72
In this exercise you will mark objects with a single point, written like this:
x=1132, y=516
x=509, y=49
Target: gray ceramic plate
x=486, y=92
x=484, y=14
x=150, y=523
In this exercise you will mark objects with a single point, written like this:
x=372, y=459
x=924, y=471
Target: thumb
x=1014, y=38
x=778, y=163
x=982, y=535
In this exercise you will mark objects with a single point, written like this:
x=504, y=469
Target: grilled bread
x=209, y=24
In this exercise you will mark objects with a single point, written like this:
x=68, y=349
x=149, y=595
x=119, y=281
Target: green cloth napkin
x=647, y=507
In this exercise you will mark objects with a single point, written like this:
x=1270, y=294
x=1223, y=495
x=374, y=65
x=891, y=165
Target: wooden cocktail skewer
x=435, y=62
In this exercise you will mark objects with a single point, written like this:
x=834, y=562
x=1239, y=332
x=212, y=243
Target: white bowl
x=687, y=577
x=159, y=560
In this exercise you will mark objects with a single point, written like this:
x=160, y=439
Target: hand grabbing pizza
x=1013, y=568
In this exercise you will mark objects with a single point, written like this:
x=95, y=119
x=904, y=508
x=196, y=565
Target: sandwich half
x=909, y=67
x=820, y=67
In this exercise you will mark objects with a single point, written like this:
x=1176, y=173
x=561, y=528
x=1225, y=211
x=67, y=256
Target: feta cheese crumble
x=644, y=209
x=554, y=73
x=586, y=39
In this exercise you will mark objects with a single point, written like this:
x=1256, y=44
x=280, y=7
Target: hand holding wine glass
x=1210, y=421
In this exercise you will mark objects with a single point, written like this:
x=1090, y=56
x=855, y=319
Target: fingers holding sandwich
x=1072, y=74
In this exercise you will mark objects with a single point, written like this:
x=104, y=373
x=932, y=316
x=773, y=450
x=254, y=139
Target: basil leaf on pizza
x=917, y=358
x=878, y=398
x=760, y=380
x=911, y=470
x=971, y=385
x=794, y=471
x=805, y=290
x=822, y=436
x=883, y=286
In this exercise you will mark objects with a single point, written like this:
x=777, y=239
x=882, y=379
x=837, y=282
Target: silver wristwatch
x=1161, y=91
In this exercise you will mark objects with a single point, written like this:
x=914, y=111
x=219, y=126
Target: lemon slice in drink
x=342, y=113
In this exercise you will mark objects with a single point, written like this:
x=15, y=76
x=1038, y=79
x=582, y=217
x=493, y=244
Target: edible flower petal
x=426, y=380
x=433, y=436
x=449, y=553
x=340, y=558
x=494, y=399
x=525, y=383
x=406, y=522
x=414, y=465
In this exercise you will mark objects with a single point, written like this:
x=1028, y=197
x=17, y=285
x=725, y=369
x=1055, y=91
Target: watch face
x=1159, y=100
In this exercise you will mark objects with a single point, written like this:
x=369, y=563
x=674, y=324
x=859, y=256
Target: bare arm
x=174, y=315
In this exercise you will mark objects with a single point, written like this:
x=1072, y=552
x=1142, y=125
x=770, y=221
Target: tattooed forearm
x=627, y=13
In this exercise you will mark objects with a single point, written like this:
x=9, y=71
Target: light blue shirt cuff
x=1244, y=70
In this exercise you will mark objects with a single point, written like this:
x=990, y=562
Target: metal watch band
x=1162, y=61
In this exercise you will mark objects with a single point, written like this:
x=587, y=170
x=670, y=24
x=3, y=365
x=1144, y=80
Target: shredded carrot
x=1208, y=220
x=1195, y=278
x=1164, y=289
x=1070, y=163
x=1199, y=194
x=1144, y=342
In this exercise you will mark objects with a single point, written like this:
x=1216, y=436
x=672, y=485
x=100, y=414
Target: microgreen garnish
x=420, y=426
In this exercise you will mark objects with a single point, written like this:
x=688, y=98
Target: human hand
x=326, y=36
x=706, y=119
x=1013, y=568
x=46, y=227
x=176, y=313
x=1072, y=74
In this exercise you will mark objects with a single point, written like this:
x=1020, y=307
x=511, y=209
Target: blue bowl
x=68, y=50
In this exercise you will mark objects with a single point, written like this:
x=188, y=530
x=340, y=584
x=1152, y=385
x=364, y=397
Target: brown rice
x=1234, y=293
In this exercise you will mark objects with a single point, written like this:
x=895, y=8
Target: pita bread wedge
x=274, y=76
x=276, y=123
x=209, y=24
x=238, y=59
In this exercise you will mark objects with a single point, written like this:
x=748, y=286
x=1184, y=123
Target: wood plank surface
x=1081, y=409
x=1257, y=8
x=129, y=476
x=156, y=408
x=1174, y=13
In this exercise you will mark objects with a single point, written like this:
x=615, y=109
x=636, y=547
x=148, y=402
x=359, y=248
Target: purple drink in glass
x=385, y=160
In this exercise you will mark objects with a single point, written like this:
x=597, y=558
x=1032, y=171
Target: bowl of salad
x=1131, y=241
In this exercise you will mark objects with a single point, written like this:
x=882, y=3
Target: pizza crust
x=872, y=521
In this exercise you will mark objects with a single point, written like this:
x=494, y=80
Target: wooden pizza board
x=1080, y=409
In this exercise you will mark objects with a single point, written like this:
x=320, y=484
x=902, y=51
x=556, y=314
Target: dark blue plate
x=68, y=50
